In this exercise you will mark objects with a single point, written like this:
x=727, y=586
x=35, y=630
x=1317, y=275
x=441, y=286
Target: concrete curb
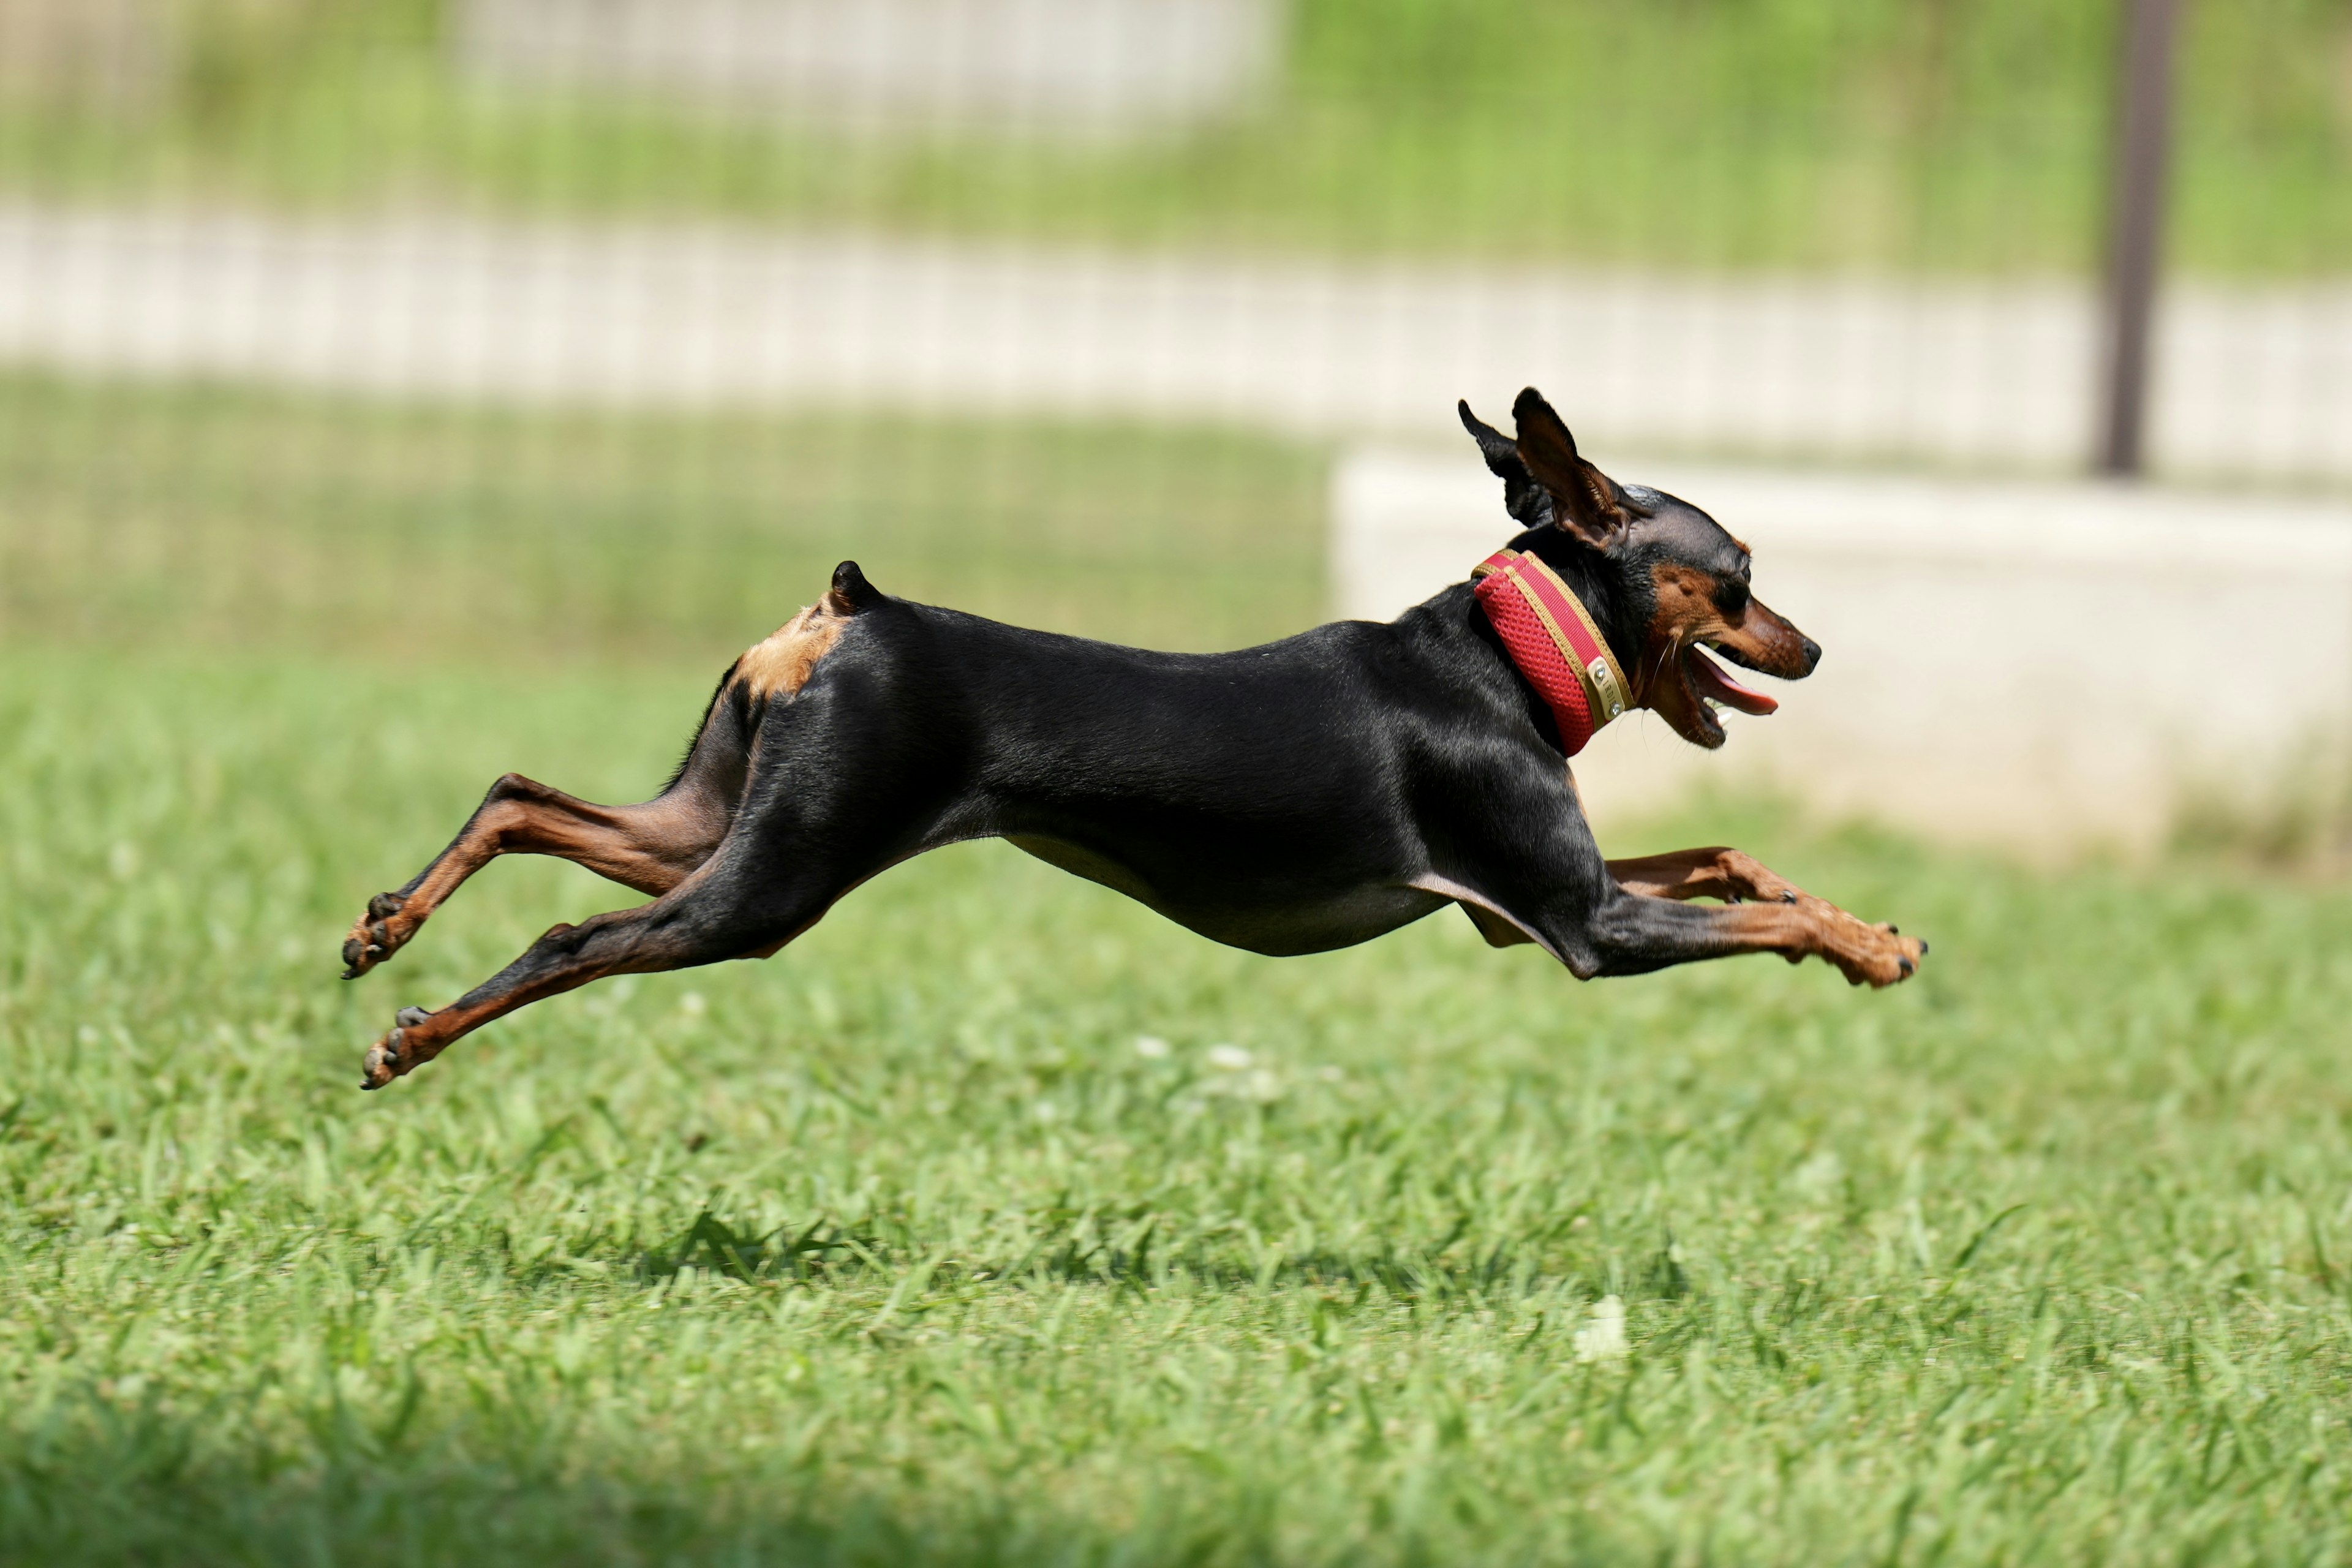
x=2041, y=666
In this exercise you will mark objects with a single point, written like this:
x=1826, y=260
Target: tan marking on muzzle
x=785, y=659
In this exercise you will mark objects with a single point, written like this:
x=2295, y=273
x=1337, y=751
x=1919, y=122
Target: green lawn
x=1919, y=134
x=897, y=1249
x=208, y=516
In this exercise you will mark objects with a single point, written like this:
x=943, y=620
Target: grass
x=897, y=1248
x=212, y=516
x=1690, y=133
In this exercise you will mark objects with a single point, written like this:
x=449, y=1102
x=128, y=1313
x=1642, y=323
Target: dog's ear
x=1585, y=502
x=1528, y=503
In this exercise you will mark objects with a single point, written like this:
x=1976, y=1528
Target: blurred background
x=525, y=333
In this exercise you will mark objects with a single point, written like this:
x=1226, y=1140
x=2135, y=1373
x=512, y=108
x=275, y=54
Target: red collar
x=1551, y=638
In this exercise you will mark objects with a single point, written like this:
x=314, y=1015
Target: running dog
x=1308, y=794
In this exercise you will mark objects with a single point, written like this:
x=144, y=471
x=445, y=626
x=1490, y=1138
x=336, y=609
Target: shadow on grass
x=1077, y=1247
x=141, y=1486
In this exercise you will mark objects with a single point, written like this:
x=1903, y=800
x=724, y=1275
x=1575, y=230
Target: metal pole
x=2135, y=237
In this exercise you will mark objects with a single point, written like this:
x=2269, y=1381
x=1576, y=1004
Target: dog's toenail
x=1905, y=965
x=1923, y=950
x=1790, y=897
x=1893, y=930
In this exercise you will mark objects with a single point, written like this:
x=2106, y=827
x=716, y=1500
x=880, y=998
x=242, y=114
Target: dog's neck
x=1601, y=585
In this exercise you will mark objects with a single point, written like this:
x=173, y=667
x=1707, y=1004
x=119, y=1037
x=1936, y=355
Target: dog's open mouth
x=1710, y=687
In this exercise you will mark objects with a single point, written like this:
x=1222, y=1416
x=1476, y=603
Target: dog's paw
x=383, y=1062
x=390, y=1057
x=1749, y=880
x=1873, y=955
x=384, y=930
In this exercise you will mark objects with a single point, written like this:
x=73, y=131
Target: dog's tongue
x=1708, y=680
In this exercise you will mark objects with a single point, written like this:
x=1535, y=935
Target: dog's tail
x=778, y=665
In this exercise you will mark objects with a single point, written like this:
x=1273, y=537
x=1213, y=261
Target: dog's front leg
x=1856, y=946
x=1629, y=917
x=1632, y=924
x=1630, y=934
x=1713, y=873
x=1718, y=872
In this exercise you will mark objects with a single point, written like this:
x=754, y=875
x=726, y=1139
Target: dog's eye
x=1732, y=600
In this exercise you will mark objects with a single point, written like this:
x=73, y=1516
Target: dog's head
x=1672, y=581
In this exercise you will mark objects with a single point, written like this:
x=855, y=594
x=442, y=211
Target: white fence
x=1093, y=68
x=2250, y=381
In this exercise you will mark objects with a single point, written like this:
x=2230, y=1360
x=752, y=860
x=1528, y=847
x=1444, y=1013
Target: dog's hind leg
x=721, y=912
x=650, y=848
x=843, y=783
x=653, y=847
x=806, y=833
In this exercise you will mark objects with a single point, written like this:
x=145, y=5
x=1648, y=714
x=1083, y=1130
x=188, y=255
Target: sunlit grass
x=903, y=1247
x=896, y=1248
x=397, y=534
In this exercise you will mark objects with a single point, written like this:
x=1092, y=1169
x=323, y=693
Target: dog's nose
x=1812, y=654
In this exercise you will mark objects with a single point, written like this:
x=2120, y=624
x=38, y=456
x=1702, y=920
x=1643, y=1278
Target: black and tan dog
x=1308, y=794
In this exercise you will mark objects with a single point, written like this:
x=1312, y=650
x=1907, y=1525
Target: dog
x=1309, y=794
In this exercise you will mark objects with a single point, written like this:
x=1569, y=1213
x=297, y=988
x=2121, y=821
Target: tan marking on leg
x=784, y=660
x=1815, y=928
x=1773, y=914
x=650, y=848
x=406, y=1046
x=1712, y=873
